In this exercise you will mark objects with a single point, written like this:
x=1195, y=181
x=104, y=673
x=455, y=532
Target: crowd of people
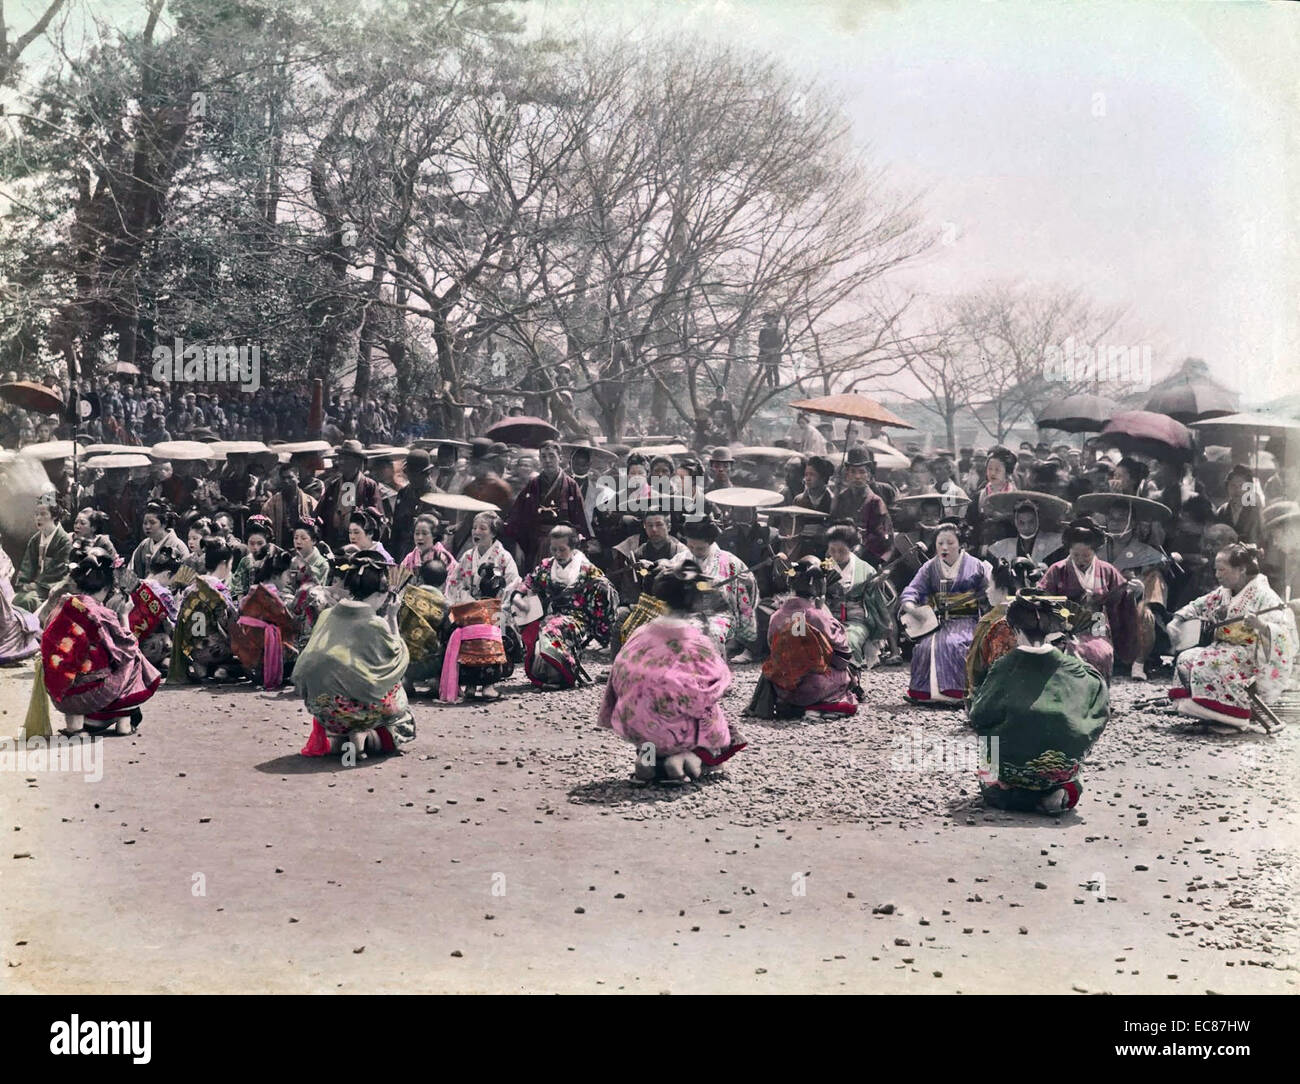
x=1016, y=584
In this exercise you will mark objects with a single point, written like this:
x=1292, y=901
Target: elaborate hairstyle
x=1242, y=555
x=364, y=573
x=259, y=525
x=91, y=569
x=809, y=578
x=216, y=551
x=1005, y=455
x=1035, y=616
x=367, y=521
x=702, y=530
x=845, y=533
x=162, y=511
x=949, y=525
x=682, y=588
x=275, y=563
x=636, y=459
x=311, y=525
x=165, y=559
x=1083, y=529
x=99, y=521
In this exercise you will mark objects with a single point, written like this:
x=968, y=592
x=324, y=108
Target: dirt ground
x=507, y=850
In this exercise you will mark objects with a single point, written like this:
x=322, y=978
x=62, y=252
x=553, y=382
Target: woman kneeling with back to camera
x=1045, y=708
x=666, y=686
x=350, y=673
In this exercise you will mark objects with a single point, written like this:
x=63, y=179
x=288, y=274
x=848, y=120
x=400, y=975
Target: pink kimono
x=665, y=688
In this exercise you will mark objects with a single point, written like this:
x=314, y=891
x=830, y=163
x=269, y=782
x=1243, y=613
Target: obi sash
x=147, y=611
x=449, y=685
x=73, y=651
x=955, y=603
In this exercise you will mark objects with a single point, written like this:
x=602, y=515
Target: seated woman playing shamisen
x=350, y=673
x=1045, y=708
x=1253, y=645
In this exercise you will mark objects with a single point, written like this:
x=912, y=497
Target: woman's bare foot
x=74, y=724
x=122, y=724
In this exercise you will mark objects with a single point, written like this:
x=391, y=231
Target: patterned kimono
x=350, y=677
x=264, y=637
x=809, y=661
x=20, y=632
x=92, y=665
x=861, y=608
x=462, y=584
x=145, y=551
x=579, y=604
x=665, y=689
x=956, y=593
x=1046, y=709
x=737, y=621
x=152, y=619
x=993, y=639
x=1215, y=678
x=420, y=619
x=202, y=636
x=414, y=559
x=1107, y=630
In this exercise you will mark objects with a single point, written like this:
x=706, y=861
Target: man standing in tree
x=770, y=344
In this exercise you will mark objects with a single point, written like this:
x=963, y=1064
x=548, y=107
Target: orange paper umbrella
x=855, y=407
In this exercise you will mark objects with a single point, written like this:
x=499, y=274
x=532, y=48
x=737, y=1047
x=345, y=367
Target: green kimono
x=861, y=609
x=35, y=578
x=1046, y=709
x=350, y=677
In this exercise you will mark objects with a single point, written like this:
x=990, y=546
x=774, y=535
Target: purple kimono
x=1111, y=629
x=939, y=660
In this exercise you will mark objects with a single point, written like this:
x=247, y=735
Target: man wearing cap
x=381, y=464
x=486, y=463
x=288, y=507
x=721, y=461
x=858, y=465
x=407, y=504
x=351, y=489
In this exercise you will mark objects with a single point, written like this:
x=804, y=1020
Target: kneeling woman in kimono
x=1106, y=630
x=91, y=664
x=809, y=666
x=955, y=585
x=666, y=686
x=993, y=636
x=201, y=643
x=856, y=597
x=422, y=622
x=20, y=632
x=150, y=607
x=1254, y=643
x=483, y=648
x=578, y=605
x=1045, y=708
x=350, y=673
x=264, y=639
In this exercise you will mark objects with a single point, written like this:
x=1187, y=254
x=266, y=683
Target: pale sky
x=1137, y=149
x=1173, y=201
